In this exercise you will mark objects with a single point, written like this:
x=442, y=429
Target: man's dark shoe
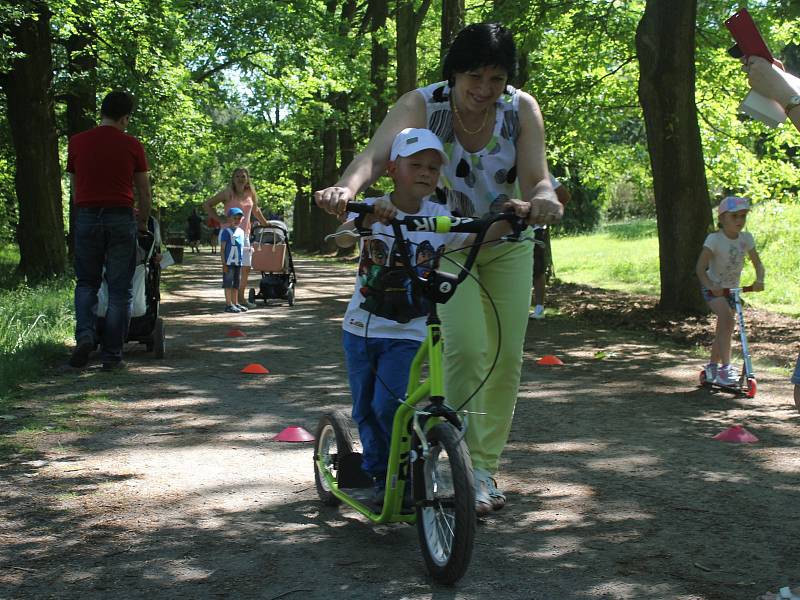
x=109, y=367
x=81, y=352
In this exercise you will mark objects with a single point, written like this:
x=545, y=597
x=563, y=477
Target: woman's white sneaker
x=483, y=502
x=497, y=498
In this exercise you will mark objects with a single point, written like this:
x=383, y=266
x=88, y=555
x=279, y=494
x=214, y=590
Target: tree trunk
x=301, y=213
x=379, y=64
x=81, y=98
x=321, y=222
x=665, y=43
x=408, y=21
x=31, y=119
x=452, y=23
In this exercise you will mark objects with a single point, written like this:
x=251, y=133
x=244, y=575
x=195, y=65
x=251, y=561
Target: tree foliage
x=257, y=83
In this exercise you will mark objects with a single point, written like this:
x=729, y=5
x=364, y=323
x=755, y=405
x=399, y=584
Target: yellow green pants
x=470, y=332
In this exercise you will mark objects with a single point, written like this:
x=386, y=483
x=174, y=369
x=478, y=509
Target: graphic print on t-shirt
x=387, y=289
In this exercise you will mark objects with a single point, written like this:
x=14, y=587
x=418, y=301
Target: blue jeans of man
x=104, y=237
x=378, y=373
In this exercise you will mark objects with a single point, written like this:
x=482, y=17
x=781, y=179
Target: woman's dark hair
x=116, y=105
x=481, y=45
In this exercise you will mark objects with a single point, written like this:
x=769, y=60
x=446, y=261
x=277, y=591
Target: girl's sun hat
x=733, y=204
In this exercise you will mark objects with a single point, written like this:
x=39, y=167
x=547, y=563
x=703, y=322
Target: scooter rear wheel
x=333, y=441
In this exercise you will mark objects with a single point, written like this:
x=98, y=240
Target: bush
x=628, y=201
x=581, y=214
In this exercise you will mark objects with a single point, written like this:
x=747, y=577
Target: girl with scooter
x=719, y=268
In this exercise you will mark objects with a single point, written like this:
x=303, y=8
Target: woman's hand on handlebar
x=545, y=209
x=519, y=207
x=334, y=199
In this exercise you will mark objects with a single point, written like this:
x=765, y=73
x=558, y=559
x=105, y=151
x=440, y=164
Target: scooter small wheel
x=333, y=442
x=751, y=387
x=703, y=379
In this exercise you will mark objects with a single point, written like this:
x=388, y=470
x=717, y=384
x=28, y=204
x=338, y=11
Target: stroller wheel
x=251, y=296
x=290, y=295
x=159, y=341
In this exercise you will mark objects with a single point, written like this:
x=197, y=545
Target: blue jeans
x=104, y=238
x=375, y=398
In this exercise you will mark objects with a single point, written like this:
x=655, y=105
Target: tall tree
x=665, y=43
x=408, y=21
x=31, y=120
x=81, y=97
x=452, y=22
x=378, y=11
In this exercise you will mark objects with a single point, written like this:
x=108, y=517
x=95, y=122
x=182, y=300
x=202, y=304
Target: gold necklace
x=460, y=122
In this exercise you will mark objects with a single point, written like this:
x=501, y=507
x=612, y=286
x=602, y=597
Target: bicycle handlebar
x=439, y=286
x=445, y=224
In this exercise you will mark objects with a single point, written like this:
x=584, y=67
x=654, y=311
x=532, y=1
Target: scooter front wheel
x=445, y=498
x=333, y=442
x=750, y=391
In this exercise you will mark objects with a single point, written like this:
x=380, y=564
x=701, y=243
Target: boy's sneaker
x=232, y=309
x=81, y=352
x=378, y=490
x=537, y=312
x=241, y=308
x=711, y=372
x=483, y=502
x=727, y=377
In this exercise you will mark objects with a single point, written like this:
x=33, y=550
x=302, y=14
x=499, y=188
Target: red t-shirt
x=103, y=161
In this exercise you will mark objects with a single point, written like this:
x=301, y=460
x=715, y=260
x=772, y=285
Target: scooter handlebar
x=727, y=291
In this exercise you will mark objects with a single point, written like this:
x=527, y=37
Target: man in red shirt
x=105, y=164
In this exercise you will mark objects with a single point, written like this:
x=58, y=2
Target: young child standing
x=231, y=243
x=378, y=365
x=720, y=267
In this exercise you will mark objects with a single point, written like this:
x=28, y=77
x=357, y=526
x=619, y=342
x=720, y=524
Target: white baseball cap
x=411, y=140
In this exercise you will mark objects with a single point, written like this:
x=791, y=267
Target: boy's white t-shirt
x=727, y=260
x=377, y=249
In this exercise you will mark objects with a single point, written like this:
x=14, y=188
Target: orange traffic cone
x=294, y=434
x=549, y=359
x=236, y=333
x=255, y=368
x=736, y=434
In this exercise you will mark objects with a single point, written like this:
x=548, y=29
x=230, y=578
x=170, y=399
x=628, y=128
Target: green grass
x=35, y=322
x=620, y=256
x=624, y=256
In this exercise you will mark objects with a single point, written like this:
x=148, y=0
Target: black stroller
x=146, y=326
x=273, y=258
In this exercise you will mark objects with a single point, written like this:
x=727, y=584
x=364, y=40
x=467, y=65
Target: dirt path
x=163, y=482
